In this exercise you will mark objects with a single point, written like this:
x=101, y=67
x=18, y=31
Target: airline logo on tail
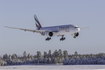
x=38, y=25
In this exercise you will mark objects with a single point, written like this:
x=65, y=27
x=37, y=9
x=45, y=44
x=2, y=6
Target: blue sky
x=84, y=13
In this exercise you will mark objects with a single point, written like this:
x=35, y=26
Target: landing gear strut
x=47, y=39
x=63, y=38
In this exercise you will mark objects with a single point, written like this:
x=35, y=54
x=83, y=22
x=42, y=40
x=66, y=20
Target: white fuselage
x=62, y=29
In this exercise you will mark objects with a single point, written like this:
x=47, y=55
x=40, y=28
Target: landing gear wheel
x=62, y=39
x=74, y=36
x=47, y=39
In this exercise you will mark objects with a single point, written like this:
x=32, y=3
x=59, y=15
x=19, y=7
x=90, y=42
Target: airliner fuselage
x=61, y=30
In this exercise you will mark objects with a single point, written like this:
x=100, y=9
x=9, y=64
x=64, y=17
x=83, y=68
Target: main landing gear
x=63, y=38
x=47, y=39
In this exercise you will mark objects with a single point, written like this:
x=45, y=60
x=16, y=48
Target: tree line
x=57, y=57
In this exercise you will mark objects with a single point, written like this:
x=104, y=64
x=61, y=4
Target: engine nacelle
x=48, y=34
x=76, y=35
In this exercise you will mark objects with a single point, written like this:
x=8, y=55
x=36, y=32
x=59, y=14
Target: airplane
x=51, y=31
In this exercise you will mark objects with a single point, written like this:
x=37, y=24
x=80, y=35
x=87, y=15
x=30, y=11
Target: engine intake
x=50, y=34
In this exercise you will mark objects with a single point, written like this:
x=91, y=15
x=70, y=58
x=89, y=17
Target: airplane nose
x=78, y=29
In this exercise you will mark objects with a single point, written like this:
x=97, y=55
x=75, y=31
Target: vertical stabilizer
x=38, y=25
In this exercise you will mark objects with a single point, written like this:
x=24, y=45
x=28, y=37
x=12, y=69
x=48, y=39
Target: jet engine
x=76, y=35
x=48, y=34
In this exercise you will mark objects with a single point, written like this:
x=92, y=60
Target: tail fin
x=38, y=25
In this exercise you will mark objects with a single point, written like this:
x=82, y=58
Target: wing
x=31, y=30
x=84, y=28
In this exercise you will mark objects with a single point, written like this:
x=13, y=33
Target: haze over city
x=90, y=13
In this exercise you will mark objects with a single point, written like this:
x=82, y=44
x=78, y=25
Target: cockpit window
x=76, y=27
